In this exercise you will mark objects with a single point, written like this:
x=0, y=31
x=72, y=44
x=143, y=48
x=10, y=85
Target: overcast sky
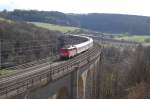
x=135, y=7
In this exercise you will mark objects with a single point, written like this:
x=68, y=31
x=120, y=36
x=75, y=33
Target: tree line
x=113, y=23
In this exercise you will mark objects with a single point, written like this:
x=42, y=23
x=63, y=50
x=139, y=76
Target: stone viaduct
x=76, y=78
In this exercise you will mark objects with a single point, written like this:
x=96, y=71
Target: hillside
x=115, y=23
x=22, y=42
x=112, y=23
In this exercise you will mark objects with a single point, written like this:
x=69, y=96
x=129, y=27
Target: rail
x=46, y=72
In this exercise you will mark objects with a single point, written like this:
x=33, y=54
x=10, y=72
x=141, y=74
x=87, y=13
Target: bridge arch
x=63, y=93
x=88, y=85
x=94, y=83
x=80, y=88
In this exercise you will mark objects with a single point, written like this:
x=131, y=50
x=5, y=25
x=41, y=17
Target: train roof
x=68, y=47
x=84, y=43
x=89, y=40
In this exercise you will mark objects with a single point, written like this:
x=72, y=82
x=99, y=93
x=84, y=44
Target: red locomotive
x=72, y=50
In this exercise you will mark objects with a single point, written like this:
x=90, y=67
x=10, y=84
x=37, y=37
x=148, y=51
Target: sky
x=133, y=7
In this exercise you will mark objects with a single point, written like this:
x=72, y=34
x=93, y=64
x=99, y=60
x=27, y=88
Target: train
x=69, y=51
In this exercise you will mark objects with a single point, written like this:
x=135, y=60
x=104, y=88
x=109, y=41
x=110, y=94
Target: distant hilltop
x=112, y=23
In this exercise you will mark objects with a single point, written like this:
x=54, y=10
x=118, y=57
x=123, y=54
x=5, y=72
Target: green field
x=138, y=38
x=6, y=20
x=2, y=19
x=6, y=72
x=60, y=28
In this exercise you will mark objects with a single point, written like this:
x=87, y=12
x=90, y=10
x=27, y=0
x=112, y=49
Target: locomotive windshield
x=63, y=50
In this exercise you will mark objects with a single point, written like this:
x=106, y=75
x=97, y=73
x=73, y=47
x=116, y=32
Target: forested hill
x=53, y=17
x=22, y=42
x=113, y=23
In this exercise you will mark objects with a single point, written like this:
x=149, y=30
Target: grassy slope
x=49, y=26
x=6, y=72
x=6, y=20
x=138, y=38
x=2, y=19
x=55, y=27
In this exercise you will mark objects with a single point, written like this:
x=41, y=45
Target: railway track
x=34, y=63
x=46, y=70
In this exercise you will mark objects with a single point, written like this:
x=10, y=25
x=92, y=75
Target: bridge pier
x=74, y=84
